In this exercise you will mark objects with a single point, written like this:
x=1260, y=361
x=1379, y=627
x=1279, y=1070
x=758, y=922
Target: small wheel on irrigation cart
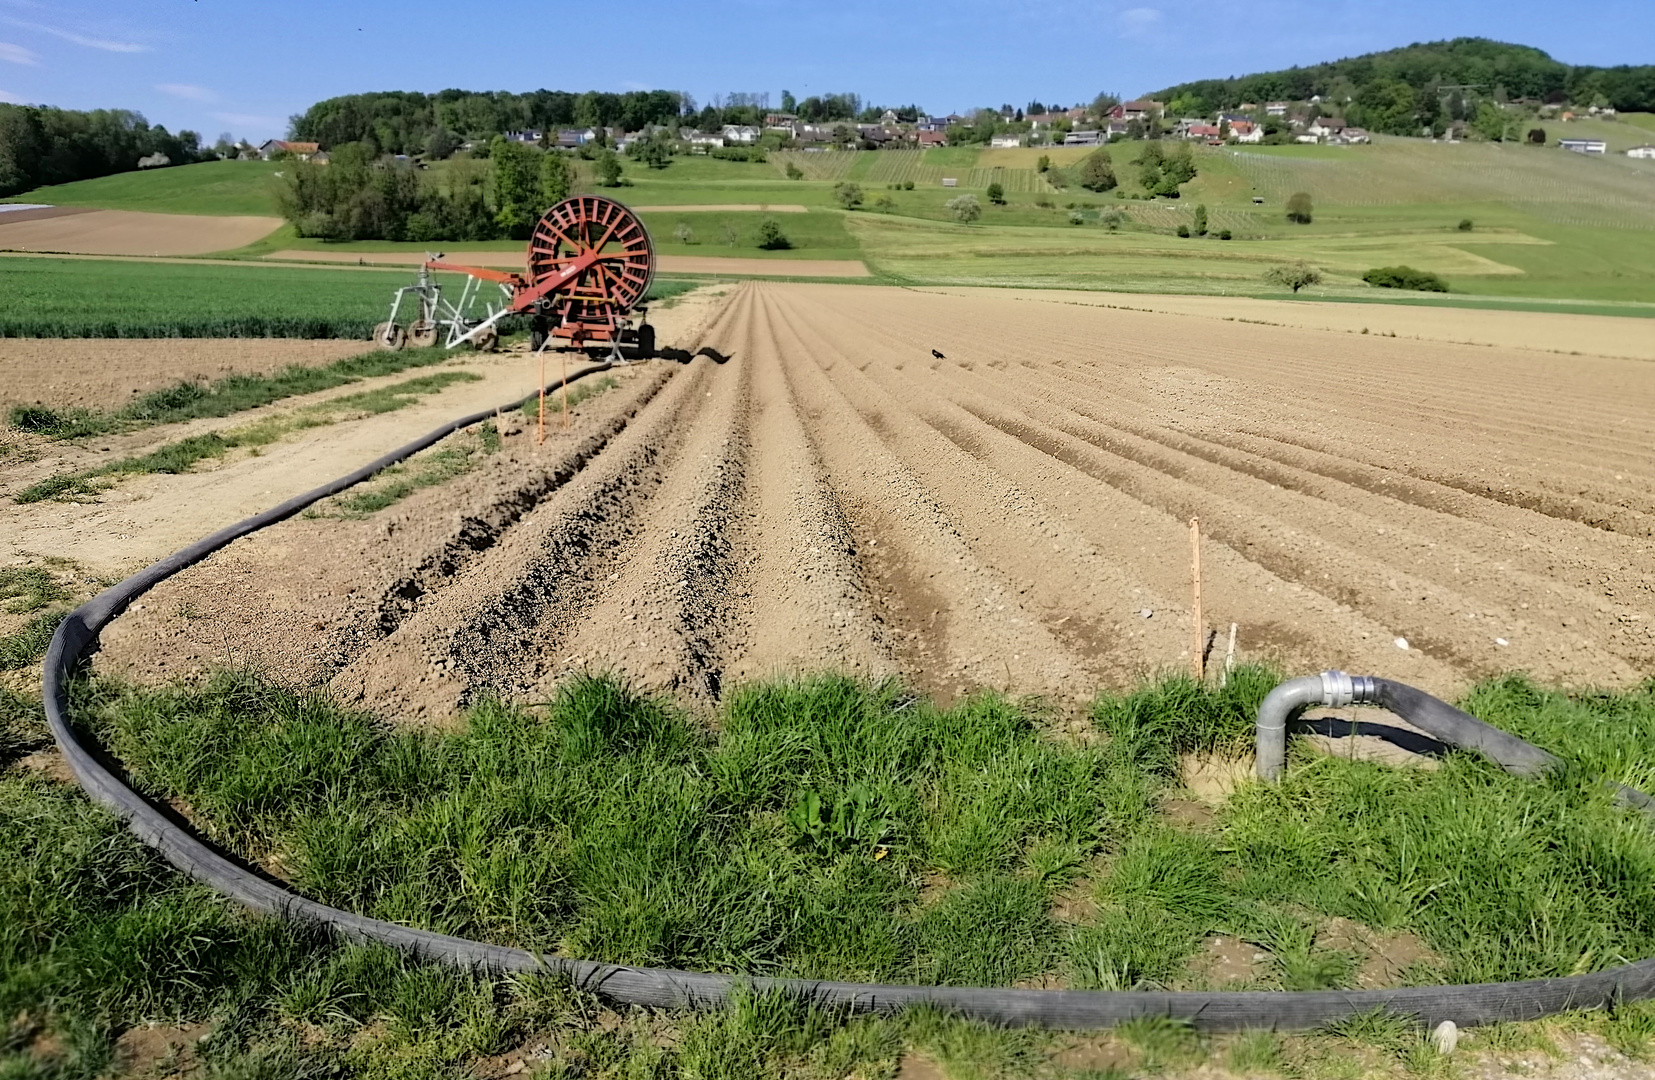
x=422, y=334
x=390, y=335
x=486, y=340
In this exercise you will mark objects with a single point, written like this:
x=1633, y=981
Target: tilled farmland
x=1012, y=513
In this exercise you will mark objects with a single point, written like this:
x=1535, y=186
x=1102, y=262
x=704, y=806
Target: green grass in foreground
x=181, y=455
x=614, y=823
x=834, y=830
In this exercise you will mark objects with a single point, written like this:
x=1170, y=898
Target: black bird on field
x=938, y=355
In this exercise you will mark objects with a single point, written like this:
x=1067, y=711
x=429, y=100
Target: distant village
x=1270, y=122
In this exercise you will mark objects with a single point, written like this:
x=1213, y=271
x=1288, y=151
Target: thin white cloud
x=81, y=39
x=1138, y=20
x=10, y=98
x=15, y=54
x=187, y=92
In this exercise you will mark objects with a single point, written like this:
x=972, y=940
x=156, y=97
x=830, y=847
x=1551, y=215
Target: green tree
x=1466, y=225
x=789, y=105
x=794, y=172
x=964, y=208
x=1294, y=275
x=771, y=237
x=651, y=152
x=1200, y=226
x=517, y=188
x=848, y=195
x=997, y=194
x=1097, y=172
x=1490, y=122
x=557, y=179
x=1387, y=105
x=1044, y=163
x=1184, y=231
x=1537, y=136
x=609, y=169
x=1299, y=210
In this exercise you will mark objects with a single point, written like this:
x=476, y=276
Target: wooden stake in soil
x=540, y=434
x=1230, y=655
x=1198, y=637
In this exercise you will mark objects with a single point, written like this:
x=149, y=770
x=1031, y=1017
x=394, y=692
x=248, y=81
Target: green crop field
x=107, y=298
x=216, y=187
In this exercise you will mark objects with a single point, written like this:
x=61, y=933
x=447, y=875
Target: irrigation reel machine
x=589, y=266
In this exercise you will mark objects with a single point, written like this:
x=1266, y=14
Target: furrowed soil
x=1013, y=513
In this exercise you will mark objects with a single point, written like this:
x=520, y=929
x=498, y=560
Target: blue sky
x=245, y=66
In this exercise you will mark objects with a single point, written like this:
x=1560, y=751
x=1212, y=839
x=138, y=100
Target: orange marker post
x=1198, y=634
x=565, y=357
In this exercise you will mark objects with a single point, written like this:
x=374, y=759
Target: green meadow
x=1545, y=225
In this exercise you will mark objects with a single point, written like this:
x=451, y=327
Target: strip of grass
x=232, y=394
x=836, y=830
x=27, y=644
x=580, y=392
x=97, y=935
x=183, y=454
x=459, y=455
x=29, y=588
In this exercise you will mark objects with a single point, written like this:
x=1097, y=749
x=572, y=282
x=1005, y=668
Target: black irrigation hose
x=657, y=987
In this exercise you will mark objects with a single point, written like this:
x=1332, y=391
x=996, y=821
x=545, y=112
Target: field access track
x=1012, y=514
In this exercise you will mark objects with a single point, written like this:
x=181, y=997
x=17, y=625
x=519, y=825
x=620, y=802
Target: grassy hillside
x=1547, y=224
x=217, y=187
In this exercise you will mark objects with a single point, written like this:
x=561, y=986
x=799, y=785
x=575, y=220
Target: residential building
x=1116, y=129
x=1245, y=131
x=1645, y=151
x=527, y=136
x=1325, y=127
x=740, y=135
x=1006, y=142
x=932, y=137
x=1201, y=131
x=888, y=118
x=780, y=120
x=932, y=123
x=1083, y=138
x=570, y=138
x=1134, y=110
x=1354, y=135
x=304, y=151
x=1584, y=146
x=705, y=140
x=1276, y=108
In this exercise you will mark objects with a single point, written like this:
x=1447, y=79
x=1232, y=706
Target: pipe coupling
x=1340, y=689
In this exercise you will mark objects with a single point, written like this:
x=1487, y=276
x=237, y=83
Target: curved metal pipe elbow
x=1283, y=705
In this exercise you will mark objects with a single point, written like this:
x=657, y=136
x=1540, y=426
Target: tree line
x=40, y=145
x=362, y=195
x=1402, y=91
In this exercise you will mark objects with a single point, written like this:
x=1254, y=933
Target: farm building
x=1006, y=142
x=1245, y=131
x=304, y=151
x=739, y=134
x=932, y=138
x=1134, y=110
x=1645, y=151
x=1325, y=127
x=1083, y=138
x=1584, y=146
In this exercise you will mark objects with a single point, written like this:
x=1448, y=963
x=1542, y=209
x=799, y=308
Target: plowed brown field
x=1012, y=514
